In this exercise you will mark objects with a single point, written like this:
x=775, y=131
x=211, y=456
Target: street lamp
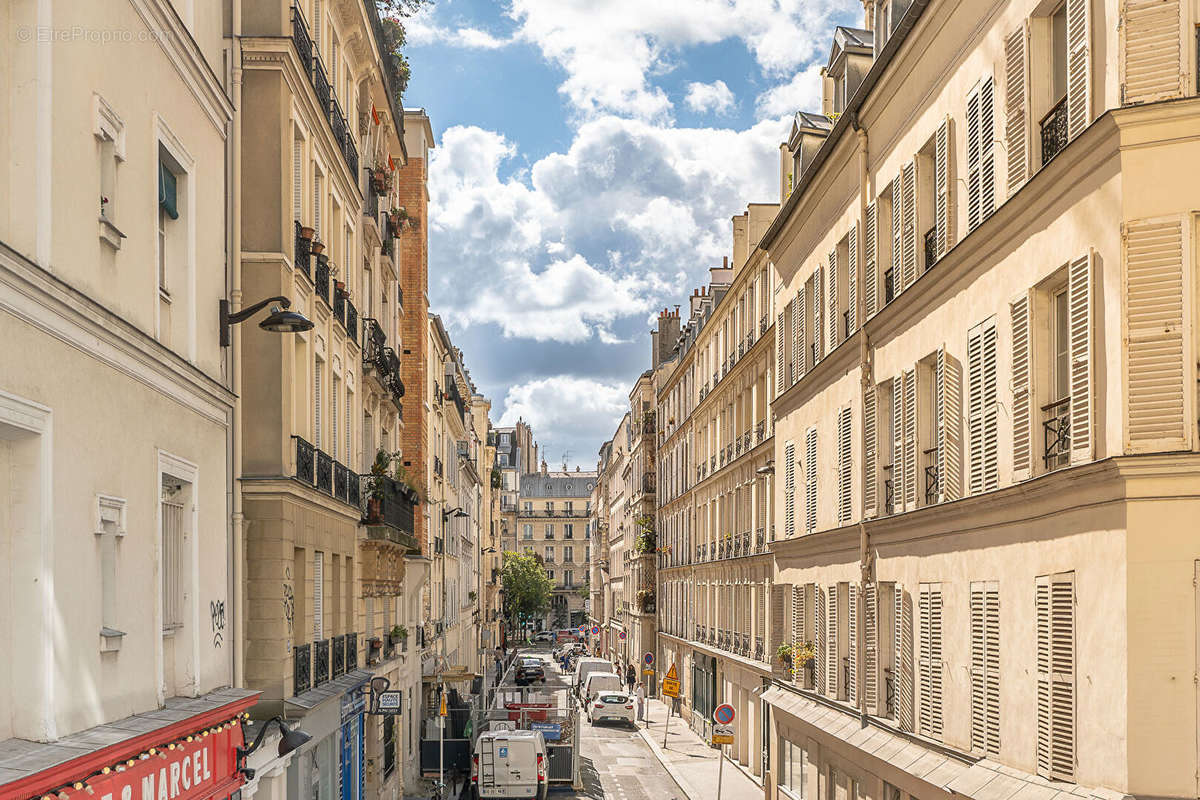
x=289, y=740
x=278, y=321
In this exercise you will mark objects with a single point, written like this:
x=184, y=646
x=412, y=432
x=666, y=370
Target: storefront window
x=791, y=768
x=389, y=746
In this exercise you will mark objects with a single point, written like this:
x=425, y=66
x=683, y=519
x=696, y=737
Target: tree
x=392, y=14
x=526, y=585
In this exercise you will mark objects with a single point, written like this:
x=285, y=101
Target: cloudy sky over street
x=573, y=201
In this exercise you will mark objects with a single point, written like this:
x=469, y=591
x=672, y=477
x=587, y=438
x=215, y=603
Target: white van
x=510, y=764
x=597, y=682
x=586, y=666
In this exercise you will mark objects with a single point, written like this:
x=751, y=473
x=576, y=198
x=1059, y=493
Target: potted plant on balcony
x=318, y=247
x=399, y=635
x=472, y=596
x=379, y=469
x=374, y=648
x=307, y=232
x=381, y=178
x=804, y=657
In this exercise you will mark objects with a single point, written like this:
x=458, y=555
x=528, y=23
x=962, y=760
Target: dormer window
x=849, y=61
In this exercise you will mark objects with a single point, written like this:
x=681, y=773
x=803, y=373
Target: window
x=549, y=554
x=333, y=417
x=568, y=577
x=549, y=506
x=568, y=531
x=569, y=506
x=985, y=667
x=550, y=574
x=1055, y=604
x=172, y=555
x=297, y=177
x=389, y=745
x=810, y=480
x=527, y=507
x=318, y=595
x=931, y=660
x=791, y=769
x=549, y=531
x=526, y=531
x=568, y=554
x=109, y=131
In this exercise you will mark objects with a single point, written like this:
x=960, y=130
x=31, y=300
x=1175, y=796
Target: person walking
x=641, y=702
x=630, y=676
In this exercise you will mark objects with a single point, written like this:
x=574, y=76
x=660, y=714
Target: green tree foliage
x=392, y=14
x=527, y=586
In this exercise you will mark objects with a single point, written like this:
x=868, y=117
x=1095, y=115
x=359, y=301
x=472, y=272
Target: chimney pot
x=725, y=262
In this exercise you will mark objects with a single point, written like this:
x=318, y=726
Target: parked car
x=567, y=635
x=611, y=707
x=598, y=682
x=541, y=637
x=530, y=670
x=585, y=666
x=510, y=764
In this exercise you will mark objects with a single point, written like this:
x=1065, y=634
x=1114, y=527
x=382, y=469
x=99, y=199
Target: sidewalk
x=691, y=762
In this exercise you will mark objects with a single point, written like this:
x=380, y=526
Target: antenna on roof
x=566, y=454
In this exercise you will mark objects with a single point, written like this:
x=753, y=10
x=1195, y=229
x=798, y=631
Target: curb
x=675, y=774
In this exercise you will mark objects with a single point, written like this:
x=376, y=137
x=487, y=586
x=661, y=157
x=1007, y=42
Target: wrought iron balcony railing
x=301, y=668
x=931, y=256
x=889, y=494
x=339, y=306
x=305, y=461
x=324, y=472
x=1054, y=131
x=311, y=61
x=321, y=277
x=351, y=321
x=889, y=286
x=1056, y=434
x=320, y=662
x=760, y=431
x=932, y=479
x=338, y=655
x=374, y=340
x=302, y=253
x=762, y=325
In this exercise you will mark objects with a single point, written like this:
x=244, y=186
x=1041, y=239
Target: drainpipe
x=235, y=360
x=867, y=380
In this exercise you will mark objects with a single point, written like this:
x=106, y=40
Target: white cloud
x=801, y=93
x=713, y=96
x=423, y=29
x=564, y=410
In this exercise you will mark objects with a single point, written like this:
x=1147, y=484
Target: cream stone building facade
x=640, y=555
x=610, y=523
x=986, y=408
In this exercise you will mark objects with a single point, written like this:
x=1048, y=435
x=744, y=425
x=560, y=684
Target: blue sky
x=590, y=154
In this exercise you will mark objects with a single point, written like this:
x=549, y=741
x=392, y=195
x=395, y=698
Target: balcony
x=760, y=652
x=931, y=256
x=1054, y=131
x=388, y=511
x=311, y=61
x=760, y=540
x=845, y=325
x=889, y=493
x=302, y=252
x=320, y=662
x=762, y=325
x=1056, y=434
x=301, y=668
x=649, y=483
x=932, y=480
x=351, y=321
x=741, y=351
x=760, y=431
x=339, y=656
x=339, y=305
x=321, y=277
x=889, y=286
x=315, y=468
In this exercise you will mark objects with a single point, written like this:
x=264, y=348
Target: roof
x=850, y=39
x=558, y=484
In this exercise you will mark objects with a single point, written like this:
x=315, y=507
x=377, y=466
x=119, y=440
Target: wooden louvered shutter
x=779, y=621
x=991, y=409
x=1080, y=278
x=810, y=481
x=949, y=426
x=789, y=489
x=799, y=353
x=943, y=182
x=1016, y=106
x=1022, y=370
x=931, y=660
x=318, y=596
x=1153, y=66
x=297, y=179
x=985, y=668
x=852, y=643
x=832, y=660
x=797, y=629
x=898, y=442
x=910, y=439
x=870, y=664
x=908, y=189
x=780, y=354
x=818, y=336
x=987, y=148
x=870, y=268
x=819, y=644
x=870, y=453
x=1079, y=66
x=852, y=279
x=902, y=645
x=1158, y=364
x=975, y=407
x=1055, y=603
x=845, y=467
x=897, y=234
x=832, y=288
x=974, y=217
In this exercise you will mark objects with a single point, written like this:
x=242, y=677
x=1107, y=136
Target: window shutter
x=799, y=354
x=1079, y=66
x=832, y=665
x=985, y=668
x=897, y=234
x=870, y=453
x=834, y=321
x=870, y=665
x=318, y=596
x=870, y=278
x=789, y=489
x=1055, y=603
x=910, y=439
x=991, y=410
x=780, y=354
x=316, y=204
x=902, y=648
x=1080, y=277
x=909, y=191
x=845, y=467
x=852, y=278
x=810, y=481
x=944, y=211
x=797, y=628
x=1152, y=61
x=898, y=442
x=852, y=643
x=1016, y=107
x=949, y=422
x=817, y=337
x=333, y=419
x=987, y=148
x=973, y=159
x=931, y=660
x=819, y=645
x=297, y=178
x=1158, y=371
x=1022, y=365
x=317, y=404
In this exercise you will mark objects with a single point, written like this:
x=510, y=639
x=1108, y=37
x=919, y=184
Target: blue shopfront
x=351, y=738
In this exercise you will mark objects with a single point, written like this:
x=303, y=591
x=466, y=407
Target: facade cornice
x=282, y=486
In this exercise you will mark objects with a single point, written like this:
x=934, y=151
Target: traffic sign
x=595, y=630
x=583, y=630
x=723, y=714
x=442, y=707
x=621, y=636
x=670, y=684
x=648, y=658
x=722, y=734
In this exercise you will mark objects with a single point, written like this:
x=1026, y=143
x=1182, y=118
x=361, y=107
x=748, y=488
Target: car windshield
x=532, y=662
x=613, y=698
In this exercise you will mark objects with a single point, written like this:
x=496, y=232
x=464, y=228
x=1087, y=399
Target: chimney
x=741, y=243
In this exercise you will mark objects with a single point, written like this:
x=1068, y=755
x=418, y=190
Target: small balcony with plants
x=389, y=500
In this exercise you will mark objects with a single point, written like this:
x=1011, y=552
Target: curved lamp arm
x=246, y=313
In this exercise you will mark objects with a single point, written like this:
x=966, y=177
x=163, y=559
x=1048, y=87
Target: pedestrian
x=630, y=676
x=499, y=670
x=641, y=702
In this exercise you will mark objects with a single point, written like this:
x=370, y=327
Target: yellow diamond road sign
x=670, y=684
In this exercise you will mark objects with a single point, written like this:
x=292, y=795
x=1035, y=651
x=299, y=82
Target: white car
x=611, y=707
x=543, y=636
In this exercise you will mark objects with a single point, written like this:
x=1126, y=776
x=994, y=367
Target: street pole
x=720, y=769
x=666, y=726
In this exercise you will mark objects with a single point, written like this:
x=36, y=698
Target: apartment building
x=116, y=404
x=986, y=416
x=715, y=459
x=553, y=525
x=640, y=474
x=610, y=524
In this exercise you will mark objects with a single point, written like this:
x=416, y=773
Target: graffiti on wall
x=216, y=611
x=289, y=603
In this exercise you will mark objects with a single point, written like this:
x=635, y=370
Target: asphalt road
x=615, y=763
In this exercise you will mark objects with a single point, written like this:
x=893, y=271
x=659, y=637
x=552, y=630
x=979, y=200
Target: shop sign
x=192, y=771
x=551, y=731
x=388, y=702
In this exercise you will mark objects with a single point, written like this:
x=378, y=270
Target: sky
x=589, y=156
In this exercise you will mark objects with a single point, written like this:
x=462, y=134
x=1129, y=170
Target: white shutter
x=1158, y=365
x=845, y=467
x=898, y=442
x=799, y=351
x=1016, y=106
x=897, y=235
x=852, y=279
x=852, y=643
x=834, y=321
x=973, y=159
x=931, y=660
x=982, y=407
x=780, y=354
x=975, y=406
x=297, y=179
x=819, y=644
x=333, y=419
x=949, y=425
x=317, y=404
x=318, y=595
x=870, y=453
x=1055, y=604
x=832, y=655
x=317, y=23
x=810, y=481
x=987, y=148
x=348, y=455
x=1079, y=66
x=991, y=410
x=316, y=204
x=817, y=331
x=1022, y=365
x=870, y=278
x=780, y=595
x=909, y=243
x=1153, y=66
x=1080, y=278
x=870, y=665
x=910, y=439
x=943, y=183
x=789, y=489
x=903, y=654
x=985, y=668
